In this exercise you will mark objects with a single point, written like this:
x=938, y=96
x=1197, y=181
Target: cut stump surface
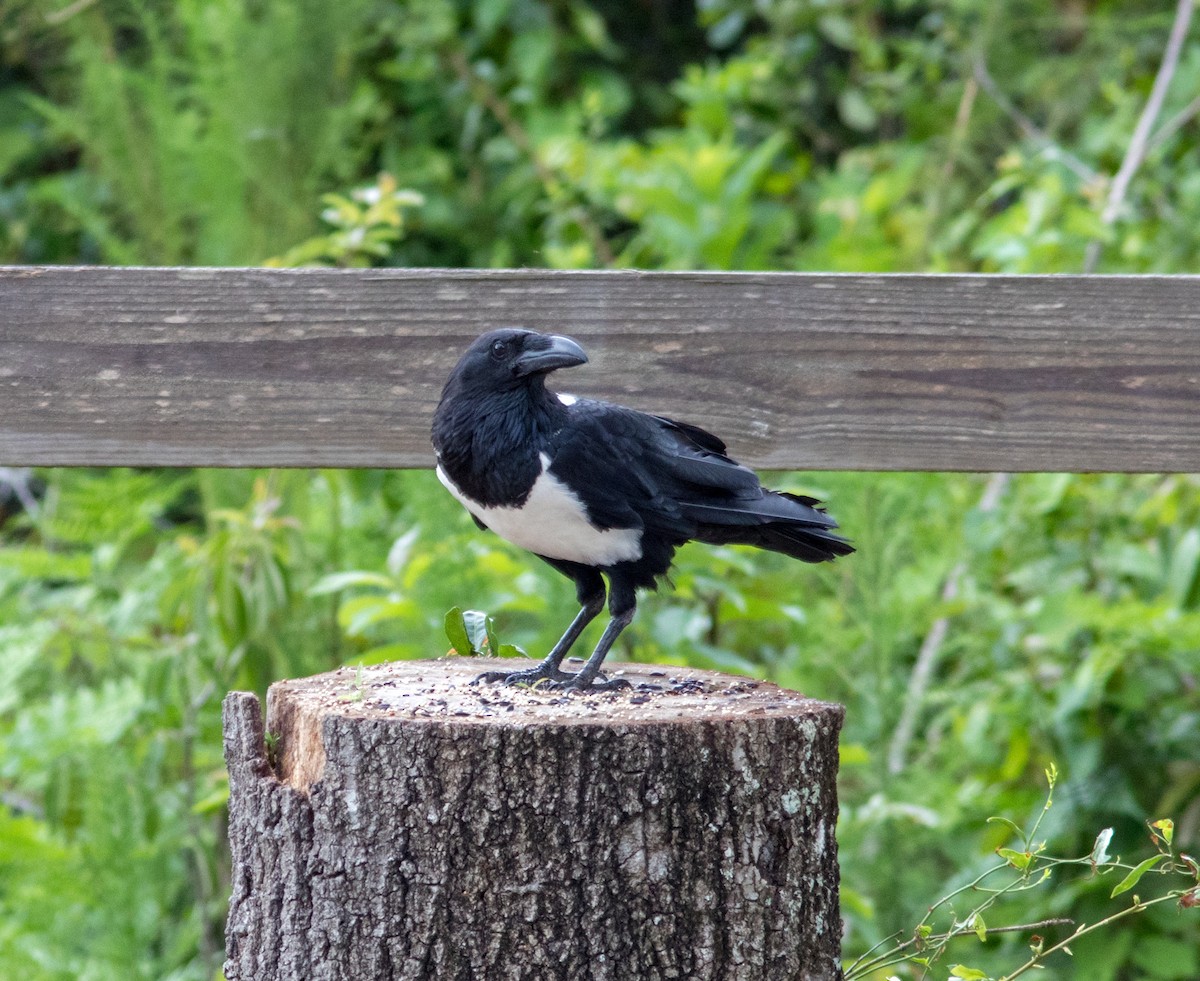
x=405, y=823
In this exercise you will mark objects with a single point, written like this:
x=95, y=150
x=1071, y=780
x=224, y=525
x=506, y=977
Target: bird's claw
x=531, y=677
x=599, y=683
x=552, y=680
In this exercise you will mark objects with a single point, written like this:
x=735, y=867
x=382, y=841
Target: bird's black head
x=506, y=358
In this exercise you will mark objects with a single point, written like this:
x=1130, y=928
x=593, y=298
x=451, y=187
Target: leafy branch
x=1140, y=140
x=1029, y=867
x=555, y=186
x=366, y=225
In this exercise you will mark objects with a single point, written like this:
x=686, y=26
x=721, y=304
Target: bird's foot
x=543, y=673
x=580, y=682
x=551, y=679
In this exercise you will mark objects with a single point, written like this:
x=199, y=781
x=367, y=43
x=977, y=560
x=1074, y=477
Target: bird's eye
x=499, y=350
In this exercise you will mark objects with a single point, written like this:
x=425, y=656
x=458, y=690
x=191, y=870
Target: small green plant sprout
x=271, y=741
x=366, y=224
x=472, y=633
x=1023, y=867
x=357, y=691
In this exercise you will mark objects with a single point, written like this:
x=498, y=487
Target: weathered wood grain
x=250, y=367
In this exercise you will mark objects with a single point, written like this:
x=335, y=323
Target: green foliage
x=1073, y=639
x=208, y=129
x=729, y=134
x=367, y=223
x=1021, y=869
x=473, y=633
x=757, y=135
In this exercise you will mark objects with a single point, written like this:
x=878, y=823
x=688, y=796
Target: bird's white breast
x=553, y=522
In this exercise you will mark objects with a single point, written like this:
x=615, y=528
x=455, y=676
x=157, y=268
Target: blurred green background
x=658, y=134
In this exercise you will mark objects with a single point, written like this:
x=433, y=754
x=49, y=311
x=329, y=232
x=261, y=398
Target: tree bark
x=402, y=823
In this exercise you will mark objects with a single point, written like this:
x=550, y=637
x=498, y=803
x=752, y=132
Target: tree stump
x=399, y=822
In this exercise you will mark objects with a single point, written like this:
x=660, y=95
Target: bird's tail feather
x=808, y=544
x=786, y=523
x=800, y=542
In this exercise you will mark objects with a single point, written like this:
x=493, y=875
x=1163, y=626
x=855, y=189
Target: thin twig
x=1027, y=125
x=867, y=963
x=487, y=94
x=931, y=646
x=57, y=17
x=967, y=932
x=1174, y=125
x=17, y=480
x=958, y=136
x=918, y=681
x=1135, y=153
x=1082, y=931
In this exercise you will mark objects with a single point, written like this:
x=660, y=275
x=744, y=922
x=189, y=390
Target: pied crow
x=598, y=490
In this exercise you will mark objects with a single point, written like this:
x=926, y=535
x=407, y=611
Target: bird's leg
x=622, y=605
x=590, y=592
x=585, y=678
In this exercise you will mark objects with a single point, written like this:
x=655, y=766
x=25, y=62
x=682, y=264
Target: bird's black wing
x=727, y=493
x=632, y=469
x=612, y=459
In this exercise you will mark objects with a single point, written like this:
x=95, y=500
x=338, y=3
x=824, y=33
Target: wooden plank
x=253, y=367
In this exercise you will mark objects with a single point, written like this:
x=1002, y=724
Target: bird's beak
x=552, y=352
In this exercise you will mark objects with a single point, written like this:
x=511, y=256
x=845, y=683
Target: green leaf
x=853, y=754
x=1003, y=820
x=726, y=31
x=479, y=628
x=39, y=563
x=856, y=111
x=488, y=15
x=838, y=30
x=968, y=973
x=1183, y=575
x=456, y=632
x=593, y=30
x=24, y=647
x=398, y=554
x=1166, y=828
x=979, y=926
x=1018, y=860
x=335, y=582
x=1131, y=880
x=213, y=802
x=357, y=614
